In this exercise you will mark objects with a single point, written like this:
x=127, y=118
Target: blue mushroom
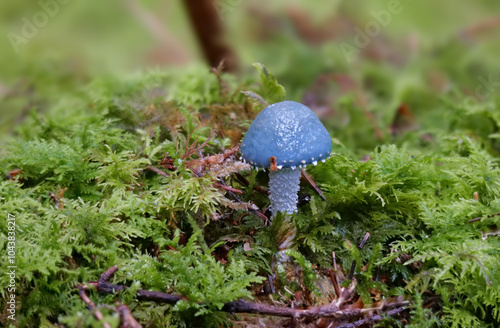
x=284, y=138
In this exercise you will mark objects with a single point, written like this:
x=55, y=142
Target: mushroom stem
x=284, y=186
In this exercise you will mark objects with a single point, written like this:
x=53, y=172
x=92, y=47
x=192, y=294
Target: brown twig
x=236, y=198
x=373, y=319
x=227, y=188
x=231, y=192
x=365, y=239
x=239, y=306
x=480, y=218
x=242, y=306
x=155, y=170
x=313, y=184
x=97, y=314
x=334, y=277
x=192, y=149
x=126, y=318
x=108, y=274
x=270, y=278
x=353, y=268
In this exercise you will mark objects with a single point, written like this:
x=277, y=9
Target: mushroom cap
x=289, y=131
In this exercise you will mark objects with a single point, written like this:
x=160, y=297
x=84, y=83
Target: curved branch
x=242, y=306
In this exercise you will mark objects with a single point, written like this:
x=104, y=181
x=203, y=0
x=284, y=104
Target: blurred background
x=382, y=66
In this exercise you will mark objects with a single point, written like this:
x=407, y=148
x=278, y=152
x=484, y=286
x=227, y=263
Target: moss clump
x=135, y=181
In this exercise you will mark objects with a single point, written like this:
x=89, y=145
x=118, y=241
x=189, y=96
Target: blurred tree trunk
x=210, y=33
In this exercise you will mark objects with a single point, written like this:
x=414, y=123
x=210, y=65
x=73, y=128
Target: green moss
x=86, y=199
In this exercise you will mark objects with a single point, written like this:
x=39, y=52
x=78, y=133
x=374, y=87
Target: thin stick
x=353, y=267
x=239, y=306
x=126, y=318
x=228, y=188
x=374, y=318
x=271, y=283
x=155, y=170
x=334, y=277
x=313, y=184
x=108, y=274
x=231, y=192
x=480, y=218
x=365, y=239
x=96, y=313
